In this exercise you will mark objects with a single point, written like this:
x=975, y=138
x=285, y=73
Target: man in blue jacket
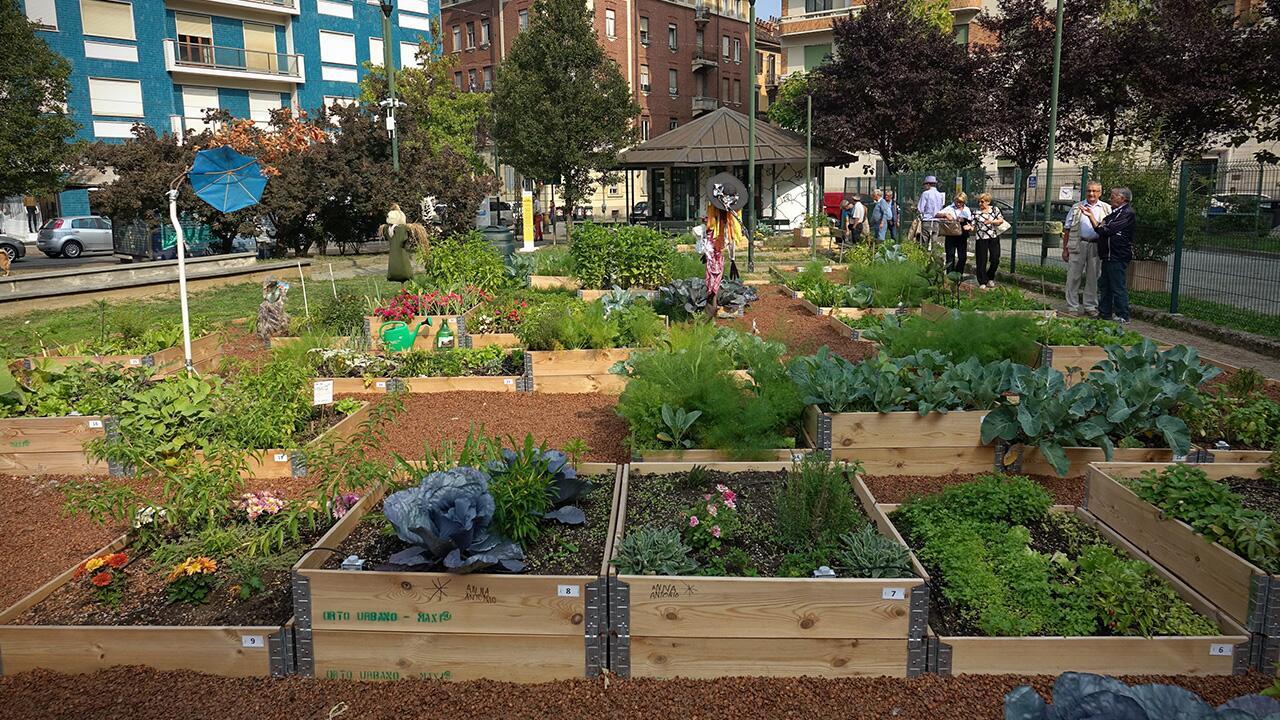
x=1115, y=249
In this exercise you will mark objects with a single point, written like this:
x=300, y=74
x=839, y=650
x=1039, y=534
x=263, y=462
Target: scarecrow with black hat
x=724, y=228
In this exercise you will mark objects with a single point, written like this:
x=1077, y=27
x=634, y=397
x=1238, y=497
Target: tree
x=789, y=109
x=34, y=127
x=1015, y=77
x=563, y=109
x=444, y=115
x=892, y=85
x=1262, y=90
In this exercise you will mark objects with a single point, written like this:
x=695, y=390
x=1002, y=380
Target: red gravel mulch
x=182, y=695
x=552, y=418
x=900, y=488
x=244, y=346
x=775, y=316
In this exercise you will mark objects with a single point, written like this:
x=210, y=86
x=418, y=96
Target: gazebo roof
x=720, y=138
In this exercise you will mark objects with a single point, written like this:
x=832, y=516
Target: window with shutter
x=107, y=18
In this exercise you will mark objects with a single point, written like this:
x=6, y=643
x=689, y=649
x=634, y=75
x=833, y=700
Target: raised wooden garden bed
x=848, y=312
x=427, y=385
x=594, y=295
x=705, y=627
x=1224, y=654
x=1246, y=593
x=502, y=340
x=206, y=354
x=286, y=462
x=575, y=371
x=50, y=445
x=374, y=625
x=235, y=651
x=553, y=282
x=426, y=339
x=1075, y=361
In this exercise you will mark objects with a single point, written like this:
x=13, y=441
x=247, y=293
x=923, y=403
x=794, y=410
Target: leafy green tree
x=563, y=109
x=932, y=12
x=443, y=115
x=34, y=127
x=789, y=110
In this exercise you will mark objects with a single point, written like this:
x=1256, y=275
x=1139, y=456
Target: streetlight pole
x=751, y=141
x=1053, y=135
x=391, y=103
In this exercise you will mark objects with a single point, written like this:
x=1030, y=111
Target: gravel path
x=184, y=695
x=775, y=316
x=552, y=418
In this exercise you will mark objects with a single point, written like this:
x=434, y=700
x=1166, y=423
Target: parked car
x=12, y=247
x=640, y=212
x=493, y=211
x=69, y=237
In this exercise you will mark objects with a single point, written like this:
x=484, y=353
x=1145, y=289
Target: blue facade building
x=165, y=62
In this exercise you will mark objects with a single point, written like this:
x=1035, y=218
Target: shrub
x=344, y=314
x=654, y=551
x=865, y=553
x=815, y=504
x=892, y=283
x=461, y=260
x=626, y=256
x=686, y=265
x=962, y=335
x=569, y=324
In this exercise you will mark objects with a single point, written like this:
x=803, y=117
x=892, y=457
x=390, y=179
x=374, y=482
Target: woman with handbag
x=957, y=223
x=988, y=223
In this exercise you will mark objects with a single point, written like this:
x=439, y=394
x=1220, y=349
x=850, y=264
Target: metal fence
x=1207, y=243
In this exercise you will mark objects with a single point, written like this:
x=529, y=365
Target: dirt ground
x=142, y=694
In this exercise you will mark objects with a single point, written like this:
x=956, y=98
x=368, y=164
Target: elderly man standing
x=1115, y=248
x=881, y=214
x=1080, y=249
x=931, y=203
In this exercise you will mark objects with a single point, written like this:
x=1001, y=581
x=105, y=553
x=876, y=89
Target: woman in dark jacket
x=1115, y=249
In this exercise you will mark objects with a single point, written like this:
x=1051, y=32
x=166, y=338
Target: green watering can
x=396, y=335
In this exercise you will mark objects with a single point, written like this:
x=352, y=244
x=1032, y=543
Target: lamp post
x=751, y=141
x=390, y=103
x=1053, y=135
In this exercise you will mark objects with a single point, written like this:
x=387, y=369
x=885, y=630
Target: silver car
x=69, y=237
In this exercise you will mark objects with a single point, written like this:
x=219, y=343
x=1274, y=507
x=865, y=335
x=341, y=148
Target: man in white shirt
x=1081, y=255
x=931, y=203
x=857, y=218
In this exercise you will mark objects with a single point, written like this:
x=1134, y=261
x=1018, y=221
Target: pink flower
x=722, y=488
x=731, y=503
x=715, y=531
x=707, y=496
x=711, y=510
x=693, y=521
x=728, y=495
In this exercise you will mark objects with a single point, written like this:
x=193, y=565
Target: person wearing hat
x=724, y=229
x=931, y=203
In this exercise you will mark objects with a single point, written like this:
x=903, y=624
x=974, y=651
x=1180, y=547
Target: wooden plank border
x=233, y=651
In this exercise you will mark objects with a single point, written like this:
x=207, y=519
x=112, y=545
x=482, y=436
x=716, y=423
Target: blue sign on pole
x=1031, y=181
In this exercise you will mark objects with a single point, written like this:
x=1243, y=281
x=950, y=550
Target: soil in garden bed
x=559, y=550
x=243, y=346
x=778, y=317
x=146, y=601
x=901, y=488
x=658, y=501
x=154, y=695
x=553, y=418
x=1218, y=384
x=1257, y=494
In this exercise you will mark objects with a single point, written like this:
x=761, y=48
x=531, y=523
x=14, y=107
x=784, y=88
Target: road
x=36, y=262
x=1249, y=282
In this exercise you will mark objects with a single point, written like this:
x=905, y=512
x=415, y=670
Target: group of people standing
x=885, y=213
x=1097, y=243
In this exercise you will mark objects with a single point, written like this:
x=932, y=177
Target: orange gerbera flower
x=117, y=560
x=102, y=579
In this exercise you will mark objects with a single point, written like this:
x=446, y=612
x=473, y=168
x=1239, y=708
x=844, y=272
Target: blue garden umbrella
x=226, y=179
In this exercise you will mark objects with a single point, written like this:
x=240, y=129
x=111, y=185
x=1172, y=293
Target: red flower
x=117, y=560
x=79, y=573
x=103, y=579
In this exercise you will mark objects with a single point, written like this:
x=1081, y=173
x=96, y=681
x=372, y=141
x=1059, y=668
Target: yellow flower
x=94, y=564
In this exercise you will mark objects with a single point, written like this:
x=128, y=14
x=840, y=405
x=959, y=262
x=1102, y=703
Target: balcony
x=771, y=80
x=812, y=22
x=285, y=7
x=704, y=59
x=227, y=62
x=702, y=104
x=701, y=14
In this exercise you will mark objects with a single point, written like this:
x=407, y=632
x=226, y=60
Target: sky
x=765, y=8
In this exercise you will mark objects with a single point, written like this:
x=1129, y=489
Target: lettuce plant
x=447, y=520
x=1084, y=695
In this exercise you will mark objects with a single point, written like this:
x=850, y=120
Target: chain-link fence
x=1207, y=244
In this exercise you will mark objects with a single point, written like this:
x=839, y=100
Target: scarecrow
x=272, y=318
x=402, y=237
x=724, y=228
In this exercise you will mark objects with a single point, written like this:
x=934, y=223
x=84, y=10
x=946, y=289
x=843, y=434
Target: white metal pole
x=305, y=307
x=333, y=285
x=181, y=242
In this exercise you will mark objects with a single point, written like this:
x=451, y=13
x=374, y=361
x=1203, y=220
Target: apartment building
x=164, y=62
x=768, y=62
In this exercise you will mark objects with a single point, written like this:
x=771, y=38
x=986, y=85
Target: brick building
x=680, y=58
